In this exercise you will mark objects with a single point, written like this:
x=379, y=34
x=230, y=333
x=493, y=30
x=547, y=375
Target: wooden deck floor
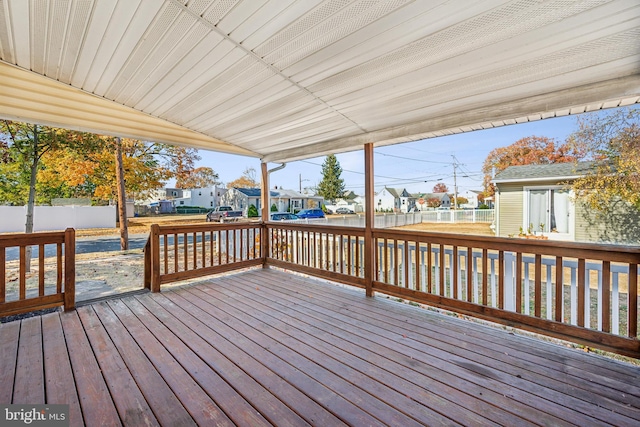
x=266, y=347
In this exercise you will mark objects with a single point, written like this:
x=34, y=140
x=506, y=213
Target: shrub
x=252, y=211
x=274, y=208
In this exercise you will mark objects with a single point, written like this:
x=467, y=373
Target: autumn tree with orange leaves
x=532, y=150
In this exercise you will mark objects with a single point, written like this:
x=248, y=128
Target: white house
x=394, y=199
x=207, y=197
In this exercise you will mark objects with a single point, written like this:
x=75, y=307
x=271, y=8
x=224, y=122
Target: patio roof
x=285, y=80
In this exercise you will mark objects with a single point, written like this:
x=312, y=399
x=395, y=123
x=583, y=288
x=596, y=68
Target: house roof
x=285, y=79
x=554, y=171
x=426, y=196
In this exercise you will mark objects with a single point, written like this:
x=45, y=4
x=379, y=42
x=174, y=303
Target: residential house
x=538, y=199
x=423, y=201
x=207, y=197
x=285, y=200
x=394, y=199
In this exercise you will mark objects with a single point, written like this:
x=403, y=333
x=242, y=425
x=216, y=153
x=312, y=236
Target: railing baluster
x=59, y=268
x=501, y=279
x=165, y=242
x=485, y=277
x=606, y=296
x=538, y=286
x=23, y=273
x=195, y=251
x=442, y=271
x=204, y=249
x=176, y=251
x=396, y=263
x=454, y=280
x=3, y=275
x=41, y=270
x=430, y=286
x=632, y=301
x=469, y=273
x=418, y=254
x=559, y=308
x=186, y=251
x=582, y=282
x=518, y=279
x=407, y=266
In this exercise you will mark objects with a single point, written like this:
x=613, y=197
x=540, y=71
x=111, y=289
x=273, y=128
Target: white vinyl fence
x=388, y=220
x=50, y=218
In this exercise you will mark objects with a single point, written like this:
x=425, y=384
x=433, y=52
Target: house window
x=182, y=202
x=548, y=210
x=211, y=204
x=199, y=193
x=212, y=194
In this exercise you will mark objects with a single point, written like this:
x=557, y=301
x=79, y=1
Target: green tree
x=332, y=186
x=612, y=142
x=252, y=211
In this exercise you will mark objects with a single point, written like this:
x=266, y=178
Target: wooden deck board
x=59, y=385
x=265, y=347
x=477, y=362
x=461, y=340
x=9, y=337
x=127, y=398
x=29, y=380
x=429, y=373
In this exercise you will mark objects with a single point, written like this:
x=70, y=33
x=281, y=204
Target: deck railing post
x=369, y=219
x=266, y=209
x=69, y=269
x=154, y=237
x=147, y=264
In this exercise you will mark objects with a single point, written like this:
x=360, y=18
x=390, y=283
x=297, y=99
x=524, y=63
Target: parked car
x=310, y=213
x=223, y=214
x=283, y=216
x=344, y=211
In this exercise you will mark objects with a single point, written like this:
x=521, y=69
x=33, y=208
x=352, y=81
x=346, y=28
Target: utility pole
x=455, y=183
x=300, y=181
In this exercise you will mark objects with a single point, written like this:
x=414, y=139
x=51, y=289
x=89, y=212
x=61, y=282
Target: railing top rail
x=24, y=239
x=319, y=228
x=544, y=247
x=190, y=228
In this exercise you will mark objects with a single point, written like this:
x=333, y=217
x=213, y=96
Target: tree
x=332, y=186
x=252, y=211
x=181, y=161
x=462, y=201
x=440, y=188
x=23, y=147
x=531, y=150
x=433, y=202
x=612, y=141
x=247, y=180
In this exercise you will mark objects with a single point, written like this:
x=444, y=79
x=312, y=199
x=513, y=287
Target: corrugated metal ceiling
x=284, y=79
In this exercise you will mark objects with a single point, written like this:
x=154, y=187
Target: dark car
x=310, y=213
x=283, y=216
x=344, y=211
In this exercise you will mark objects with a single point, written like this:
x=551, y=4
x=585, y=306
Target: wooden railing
x=584, y=293
x=335, y=253
x=185, y=252
x=592, y=299
x=48, y=284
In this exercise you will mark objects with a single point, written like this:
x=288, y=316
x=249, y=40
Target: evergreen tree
x=332, y=186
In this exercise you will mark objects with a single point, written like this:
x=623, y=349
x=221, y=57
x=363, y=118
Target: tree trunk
x=122, y=199
x=28, y=227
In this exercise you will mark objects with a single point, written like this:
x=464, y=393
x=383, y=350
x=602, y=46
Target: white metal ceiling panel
x=286, y=79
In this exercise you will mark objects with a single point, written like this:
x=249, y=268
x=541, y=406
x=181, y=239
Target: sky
x=416, y=166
